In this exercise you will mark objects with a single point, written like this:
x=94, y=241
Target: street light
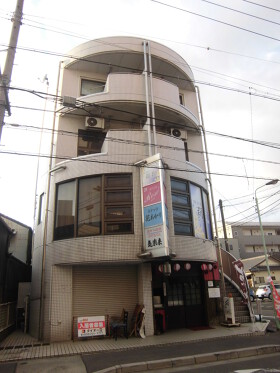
x=271, y=182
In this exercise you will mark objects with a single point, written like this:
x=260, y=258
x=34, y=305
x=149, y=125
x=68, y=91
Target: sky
x=233, y=49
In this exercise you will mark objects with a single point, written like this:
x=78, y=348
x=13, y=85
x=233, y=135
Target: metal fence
x=7, y=315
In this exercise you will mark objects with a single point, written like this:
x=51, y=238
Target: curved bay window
x=93, y=206
x=190, y=207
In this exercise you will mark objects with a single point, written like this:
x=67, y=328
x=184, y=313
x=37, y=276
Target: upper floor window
x=181, y=99
x=40, y=209
x=93, y=206
x=90, y=141
x=190, y=207
x=89, y=87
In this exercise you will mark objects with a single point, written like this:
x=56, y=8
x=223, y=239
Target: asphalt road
x=88, y=363
x=98, y=361
x=269, y=363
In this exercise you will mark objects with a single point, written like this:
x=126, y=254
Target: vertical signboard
x=154, y=208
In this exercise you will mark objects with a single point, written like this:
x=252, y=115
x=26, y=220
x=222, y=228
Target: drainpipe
x=148, y=122
x=223, y=287
x=42, y=294
x=152, y=98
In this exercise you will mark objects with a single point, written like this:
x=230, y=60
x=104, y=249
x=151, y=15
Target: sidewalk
x=19, y=346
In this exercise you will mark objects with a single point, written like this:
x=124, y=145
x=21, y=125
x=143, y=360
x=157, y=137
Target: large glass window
x=89, y=87
x=190, y=207
x=89, y=200
x=182, y=215
x=65, y=210
x=104, y=206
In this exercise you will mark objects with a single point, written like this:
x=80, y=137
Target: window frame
x=40, y=209
x=99, y=84
x=105, y=221
x=182, y=207
x=190, y=208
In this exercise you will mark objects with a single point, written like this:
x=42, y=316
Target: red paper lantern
x=204, y=267
x=187, y=266
x=176, y=267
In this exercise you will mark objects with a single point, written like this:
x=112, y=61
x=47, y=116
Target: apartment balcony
x=124, y=98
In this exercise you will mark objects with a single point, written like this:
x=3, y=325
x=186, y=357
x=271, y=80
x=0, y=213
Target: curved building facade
x=127, y=216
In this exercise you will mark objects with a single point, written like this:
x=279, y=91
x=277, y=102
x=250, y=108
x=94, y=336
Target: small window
x=40, y=209
x=181, y=99
x=89, y=87
x=90, y=142
x=186, y=151
x=236, y=233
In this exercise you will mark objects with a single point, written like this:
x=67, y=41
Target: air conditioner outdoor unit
x=180, y=134
x=92, y=122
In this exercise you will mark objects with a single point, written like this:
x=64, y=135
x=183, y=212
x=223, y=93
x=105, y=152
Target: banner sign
x=154, y=208
x=276, y=298
x=91, y=326
x=238, y=265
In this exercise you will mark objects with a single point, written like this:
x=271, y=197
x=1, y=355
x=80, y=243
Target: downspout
x=41, y=311
x=152, y=99
x=220, y=261
x=148, y=121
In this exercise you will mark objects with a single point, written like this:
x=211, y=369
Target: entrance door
x=185, y=307
x=194, y=308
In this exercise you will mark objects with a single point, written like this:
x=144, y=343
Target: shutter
x=104, y=290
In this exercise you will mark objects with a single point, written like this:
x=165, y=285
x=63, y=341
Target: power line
x=240, y=12
x=258, y=142
x=75, y=134
x=272, y=97
x=66, y=158
x=263, y=6
x=216, y=20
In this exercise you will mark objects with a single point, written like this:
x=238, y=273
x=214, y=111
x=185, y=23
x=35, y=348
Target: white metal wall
x=104, y=290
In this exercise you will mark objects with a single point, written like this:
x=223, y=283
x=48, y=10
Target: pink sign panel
x=151, y=194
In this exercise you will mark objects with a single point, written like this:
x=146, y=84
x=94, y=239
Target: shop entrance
x=179, y=299
x=184, y=303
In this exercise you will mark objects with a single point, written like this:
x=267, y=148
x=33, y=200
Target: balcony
x=125, y=93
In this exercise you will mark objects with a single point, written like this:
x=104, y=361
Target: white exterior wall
x=61, y=255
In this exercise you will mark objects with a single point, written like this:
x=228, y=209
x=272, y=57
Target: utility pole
x=224, y=224
x=7, y=73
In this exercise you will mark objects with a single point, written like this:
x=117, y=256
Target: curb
x=156, y=365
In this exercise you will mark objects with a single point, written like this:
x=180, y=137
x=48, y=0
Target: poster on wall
x=91, y=326
x=197, y=209
x=154, y=207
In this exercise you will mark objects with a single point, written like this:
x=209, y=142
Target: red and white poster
x=91, y=326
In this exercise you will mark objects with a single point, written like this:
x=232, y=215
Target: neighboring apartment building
x=250, y=239
x=15, y=257
x=128, y=218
